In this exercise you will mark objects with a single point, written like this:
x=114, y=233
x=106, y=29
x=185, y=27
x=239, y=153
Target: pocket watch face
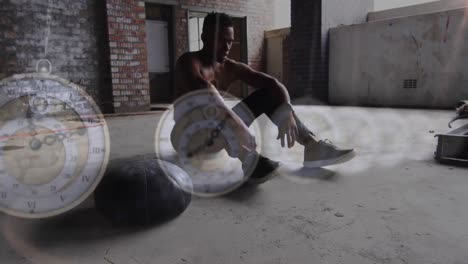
x=54, y=145
x=193, y=135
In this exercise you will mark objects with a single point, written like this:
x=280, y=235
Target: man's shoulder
x=188, y=58
x=235, y=65
x=230, y=62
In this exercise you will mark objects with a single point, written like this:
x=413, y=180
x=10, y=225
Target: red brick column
x=127, y=42
x=181, y=32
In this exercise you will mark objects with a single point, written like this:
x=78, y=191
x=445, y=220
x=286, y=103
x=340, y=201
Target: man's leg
x=317, y=153
x=249, y=109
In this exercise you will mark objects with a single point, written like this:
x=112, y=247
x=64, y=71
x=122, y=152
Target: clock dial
x=54, y=145
x=193, y=143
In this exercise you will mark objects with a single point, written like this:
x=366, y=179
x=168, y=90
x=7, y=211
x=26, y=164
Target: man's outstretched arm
x=259, y=80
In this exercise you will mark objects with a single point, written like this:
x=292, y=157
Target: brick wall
x=130, y=81
x=101, y=46
x=126, y=21
x=259, y=18
x=76, y=45
x=308, y=68
x=181, y=31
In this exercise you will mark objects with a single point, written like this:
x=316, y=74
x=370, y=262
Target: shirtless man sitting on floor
x=212, y=70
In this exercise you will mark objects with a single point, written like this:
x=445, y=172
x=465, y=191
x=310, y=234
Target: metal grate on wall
x=410, y=84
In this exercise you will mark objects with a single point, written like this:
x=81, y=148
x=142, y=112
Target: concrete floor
x=391, y=204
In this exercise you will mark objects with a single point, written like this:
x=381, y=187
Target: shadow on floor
x=243, y=193
x=73, y=228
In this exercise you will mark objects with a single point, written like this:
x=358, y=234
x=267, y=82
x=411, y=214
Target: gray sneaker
x=325, y=153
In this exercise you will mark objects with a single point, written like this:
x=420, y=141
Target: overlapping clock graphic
x=54, y=145
x=187, y=135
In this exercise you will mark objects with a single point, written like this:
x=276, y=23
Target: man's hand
x=463, y=109
x=287, y=131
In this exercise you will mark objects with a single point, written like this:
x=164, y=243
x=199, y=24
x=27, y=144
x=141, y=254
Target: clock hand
x=210, y=141
x=12, y=147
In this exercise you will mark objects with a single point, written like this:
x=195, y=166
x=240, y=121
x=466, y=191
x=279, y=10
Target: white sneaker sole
x=329, y=162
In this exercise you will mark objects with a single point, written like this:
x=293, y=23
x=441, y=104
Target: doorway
x=159, y=45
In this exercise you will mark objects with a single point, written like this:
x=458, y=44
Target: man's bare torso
x=221, y=76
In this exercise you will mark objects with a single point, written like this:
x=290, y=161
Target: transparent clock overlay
x=54, y=145
x=213, y=172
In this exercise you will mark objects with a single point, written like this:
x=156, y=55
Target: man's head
x=217, y=35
